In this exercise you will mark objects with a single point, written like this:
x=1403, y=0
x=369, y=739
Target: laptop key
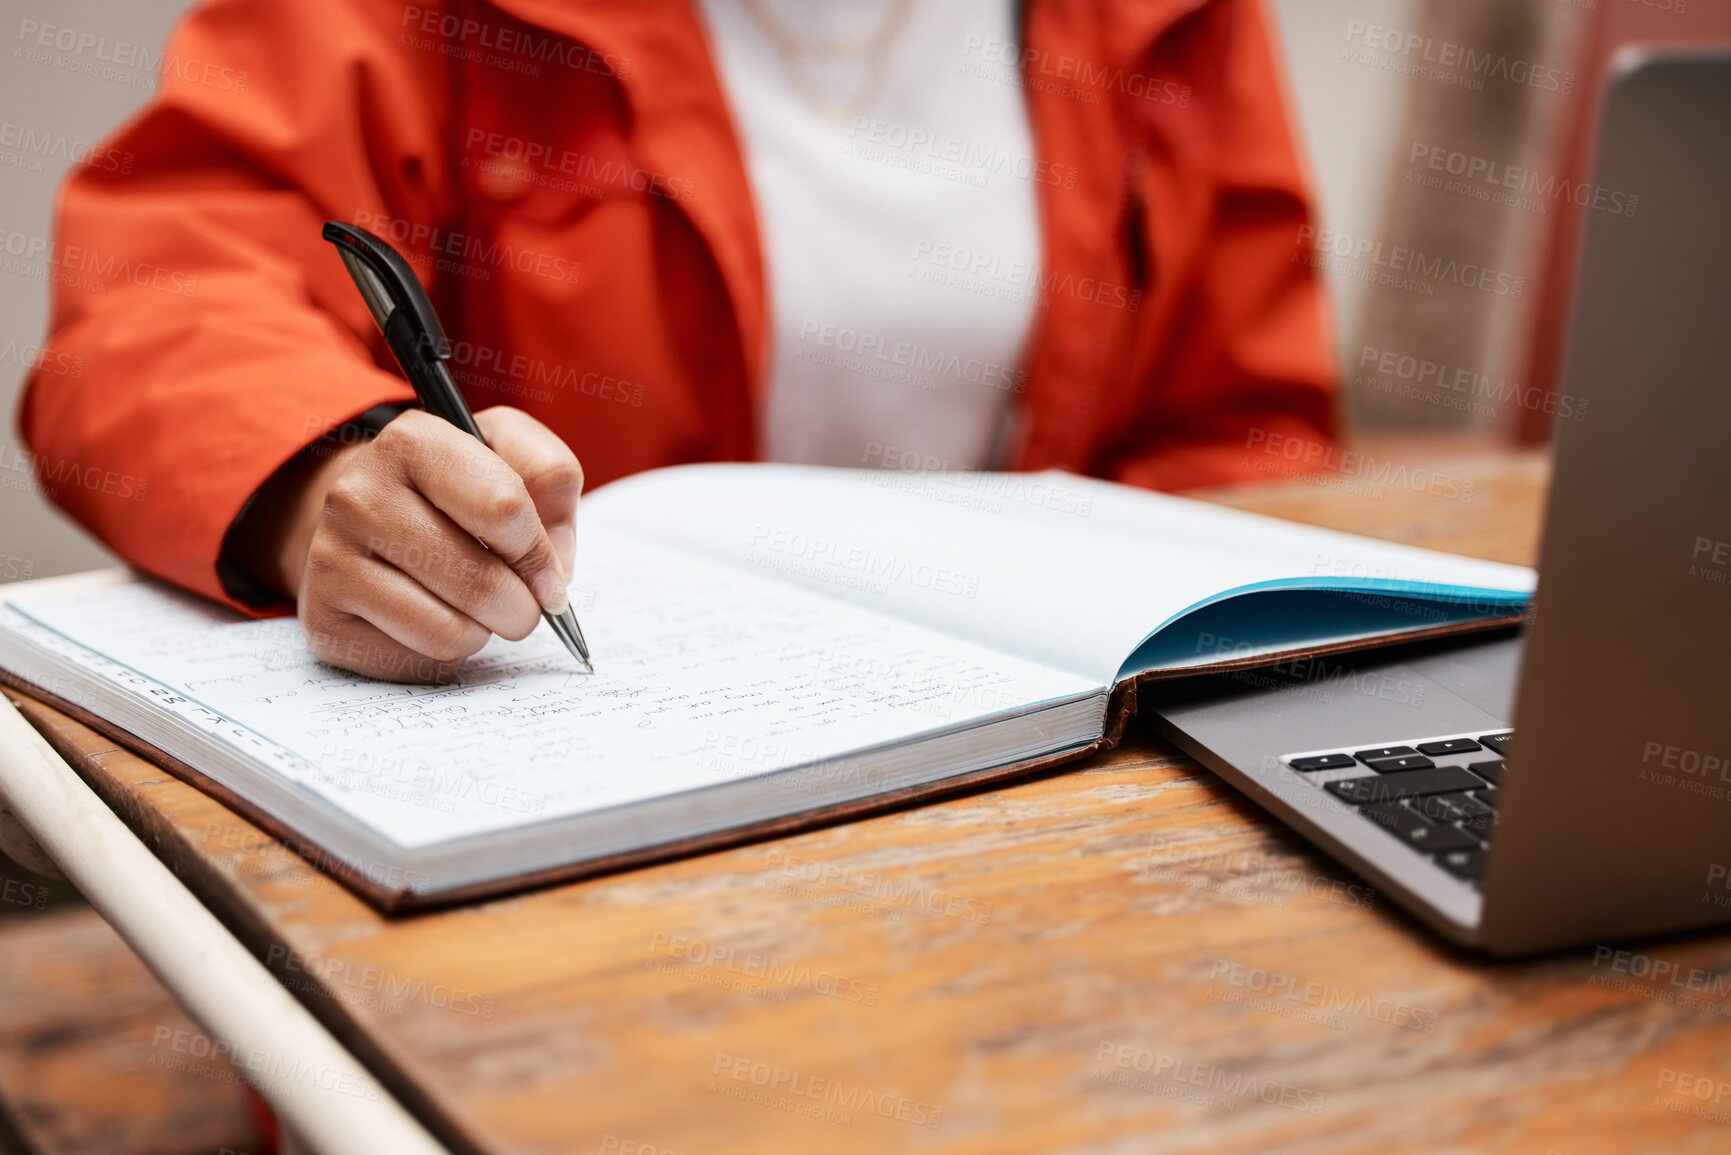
x=1488, y=795
x=1491, y=771
x=1383, y=752
x=1451, y=746
x=1405, y=784
x=1474, y=816
x=1467, y=864
x=1469, y=805
x=1416, y=830
x=1497, y=743
x=1404, y=762
x=1322, y=762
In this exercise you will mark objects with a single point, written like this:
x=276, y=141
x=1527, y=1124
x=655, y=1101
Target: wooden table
x=81, y=1060
x=1124, y=956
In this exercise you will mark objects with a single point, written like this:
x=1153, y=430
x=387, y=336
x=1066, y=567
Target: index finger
x=548, y=468
x=479, y=491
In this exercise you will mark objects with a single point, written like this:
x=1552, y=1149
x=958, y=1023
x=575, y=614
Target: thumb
x=563, y=535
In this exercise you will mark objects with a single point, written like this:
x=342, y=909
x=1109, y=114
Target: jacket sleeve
x=219, y=333
x=1242, y=386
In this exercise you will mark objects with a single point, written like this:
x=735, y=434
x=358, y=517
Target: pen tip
x=588, y=665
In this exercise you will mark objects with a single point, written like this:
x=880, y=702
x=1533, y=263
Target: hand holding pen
x=407, y=552
x=404, y=314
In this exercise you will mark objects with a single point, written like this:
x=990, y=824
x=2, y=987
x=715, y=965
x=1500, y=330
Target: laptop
x=1571, y=783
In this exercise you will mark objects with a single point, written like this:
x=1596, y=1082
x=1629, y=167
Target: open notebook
x=774, y=645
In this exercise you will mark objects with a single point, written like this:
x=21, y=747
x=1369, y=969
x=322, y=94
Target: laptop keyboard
x=1437, y=795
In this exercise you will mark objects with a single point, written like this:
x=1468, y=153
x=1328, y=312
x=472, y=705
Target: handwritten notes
x=704, y=674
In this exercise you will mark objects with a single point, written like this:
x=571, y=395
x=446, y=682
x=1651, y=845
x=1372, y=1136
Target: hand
x=383, y=551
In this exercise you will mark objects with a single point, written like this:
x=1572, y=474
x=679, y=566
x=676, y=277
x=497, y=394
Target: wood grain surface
x=1123, y=956
x=96, y=1058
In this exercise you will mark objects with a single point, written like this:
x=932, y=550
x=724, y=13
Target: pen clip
x=387, y=283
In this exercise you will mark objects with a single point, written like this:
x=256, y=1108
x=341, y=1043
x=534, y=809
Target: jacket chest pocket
x=545, y=143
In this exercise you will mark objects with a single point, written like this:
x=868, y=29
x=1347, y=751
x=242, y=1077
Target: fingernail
x=550, y=592
x=564, y=539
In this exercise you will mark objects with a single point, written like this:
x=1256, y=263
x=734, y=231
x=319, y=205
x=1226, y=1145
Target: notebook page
x=1063, y=570
x=703, y=675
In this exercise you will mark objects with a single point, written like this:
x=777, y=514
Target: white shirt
x=899, y=224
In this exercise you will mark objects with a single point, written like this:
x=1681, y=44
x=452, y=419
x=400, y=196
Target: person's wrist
x=298, y=518
x=264, y=552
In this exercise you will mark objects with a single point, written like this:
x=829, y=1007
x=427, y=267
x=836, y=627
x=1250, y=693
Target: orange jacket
x=565, y=178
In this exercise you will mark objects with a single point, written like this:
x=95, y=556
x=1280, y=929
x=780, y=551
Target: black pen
x=405, y=316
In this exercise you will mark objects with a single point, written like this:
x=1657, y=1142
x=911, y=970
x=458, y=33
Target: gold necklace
x=798, y=53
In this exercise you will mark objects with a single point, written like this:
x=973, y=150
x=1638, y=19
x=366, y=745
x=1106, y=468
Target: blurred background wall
x=1412, y=111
